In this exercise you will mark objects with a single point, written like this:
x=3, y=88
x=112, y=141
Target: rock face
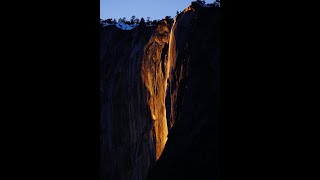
x=155, y=76
x=192, y=149
x=132, y=90
x=159, y=89
x=126, y=141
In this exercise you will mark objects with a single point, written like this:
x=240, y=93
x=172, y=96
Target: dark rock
x=127, y=150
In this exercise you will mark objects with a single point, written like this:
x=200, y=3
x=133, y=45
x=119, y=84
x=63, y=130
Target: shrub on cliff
x=154, y=23
x=169, y=19
x=109, y=21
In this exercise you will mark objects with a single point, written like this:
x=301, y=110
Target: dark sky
x=155, y=9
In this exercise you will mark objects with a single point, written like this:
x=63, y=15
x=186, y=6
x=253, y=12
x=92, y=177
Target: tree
x=201, y=1
x=142, y=22
x=137, y=21
x=154, y=22
x=148, y=21
x=217, y=3
x=109, y=21
x=132, y=19
x=168, y=19
x=114, y=21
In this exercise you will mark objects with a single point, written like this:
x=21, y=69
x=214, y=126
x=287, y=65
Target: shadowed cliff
x=126, y=145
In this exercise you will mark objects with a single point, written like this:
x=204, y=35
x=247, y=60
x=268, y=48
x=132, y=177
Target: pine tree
x=154, y=22
x=137, y=21
x=109, y=21
x=148, y=21
x=217, y=3
x=132, y=19
x=142, y=22
x=169, y=19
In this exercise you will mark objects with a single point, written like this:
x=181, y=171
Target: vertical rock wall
x=154, y=76
x=192, y=148
x=127, y=149
x=132, y=89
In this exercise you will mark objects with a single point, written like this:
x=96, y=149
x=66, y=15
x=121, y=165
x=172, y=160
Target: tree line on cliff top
x=134, y=20
x=142, y=21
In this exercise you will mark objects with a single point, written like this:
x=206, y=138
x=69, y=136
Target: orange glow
x=154, y=76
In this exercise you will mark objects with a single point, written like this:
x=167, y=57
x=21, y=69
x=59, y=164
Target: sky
x=155, y=9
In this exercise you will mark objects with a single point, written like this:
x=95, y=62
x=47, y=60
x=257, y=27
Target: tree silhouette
x=201, y=1
x=137, y=21
x=154, y=22
x=148, y=21
x=217, y=3
x=109, y=20
x=168, y=19
x=142, y=22
x=132, y=19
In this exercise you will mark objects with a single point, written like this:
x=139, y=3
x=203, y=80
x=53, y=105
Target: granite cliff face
x=159, y=89
x=192, y=149
x=132, y=90
x=155, y=76
x=126, y=149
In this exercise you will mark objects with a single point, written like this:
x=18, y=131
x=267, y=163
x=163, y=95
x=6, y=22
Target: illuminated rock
x=154, y=76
